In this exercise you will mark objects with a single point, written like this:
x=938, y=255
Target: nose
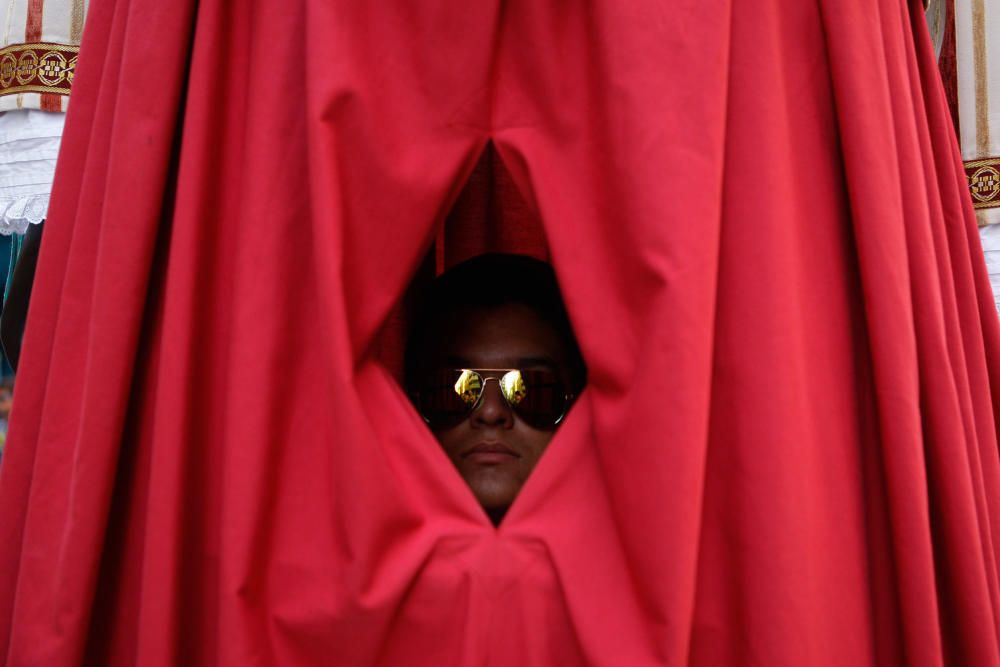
x=493, y=409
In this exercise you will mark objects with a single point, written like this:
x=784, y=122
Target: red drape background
x=787, y=452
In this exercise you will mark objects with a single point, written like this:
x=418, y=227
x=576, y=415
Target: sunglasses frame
x=568, y=397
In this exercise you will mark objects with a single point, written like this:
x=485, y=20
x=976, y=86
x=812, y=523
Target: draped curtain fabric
x=786, y=453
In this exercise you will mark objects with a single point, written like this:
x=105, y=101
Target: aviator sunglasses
x=449, y=396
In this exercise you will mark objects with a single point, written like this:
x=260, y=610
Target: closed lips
x=491, y=448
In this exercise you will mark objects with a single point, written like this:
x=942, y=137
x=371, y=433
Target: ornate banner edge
x=50, y=46
x=71, y=49
x=971, y=167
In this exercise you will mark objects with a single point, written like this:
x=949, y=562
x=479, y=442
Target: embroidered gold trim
x=983, y=177
x=42, y=67
x=76, y=16
x=981, y=69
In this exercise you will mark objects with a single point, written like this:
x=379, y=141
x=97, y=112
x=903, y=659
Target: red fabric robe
x=787, y=451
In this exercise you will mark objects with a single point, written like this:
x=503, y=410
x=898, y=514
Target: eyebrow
x=521, y=362
x=537, y=361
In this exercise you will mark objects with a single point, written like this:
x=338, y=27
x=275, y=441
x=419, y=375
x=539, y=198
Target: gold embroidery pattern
x=37, y=68
x=981, y=69
x=984, y=182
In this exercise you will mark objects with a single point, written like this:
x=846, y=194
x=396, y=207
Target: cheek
x=453, y=440
x=534, y=441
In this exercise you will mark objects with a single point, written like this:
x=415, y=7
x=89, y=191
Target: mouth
x=490, y=453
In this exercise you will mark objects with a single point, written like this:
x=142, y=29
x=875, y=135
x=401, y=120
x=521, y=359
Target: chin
x=493, y=497
x=492, y=501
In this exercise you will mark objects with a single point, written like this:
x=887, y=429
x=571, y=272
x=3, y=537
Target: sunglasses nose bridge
x=486, y=388
x=500, y=387
x=492, y=404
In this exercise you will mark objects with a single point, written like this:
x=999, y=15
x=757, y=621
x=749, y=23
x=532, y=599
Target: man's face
x=493, y=449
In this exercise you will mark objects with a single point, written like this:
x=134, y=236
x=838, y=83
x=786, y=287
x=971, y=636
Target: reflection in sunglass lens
x=469, y=387
x=447, y=396
x=544, y=399
x=512, y=386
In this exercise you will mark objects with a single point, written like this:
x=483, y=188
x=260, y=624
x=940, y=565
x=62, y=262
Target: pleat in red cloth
x=787, y=450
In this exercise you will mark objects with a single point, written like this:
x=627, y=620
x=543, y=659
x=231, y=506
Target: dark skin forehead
x=508, y=336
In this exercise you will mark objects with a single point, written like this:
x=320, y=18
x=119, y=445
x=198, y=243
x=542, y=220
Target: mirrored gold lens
x=512, y=385
x=469, y=387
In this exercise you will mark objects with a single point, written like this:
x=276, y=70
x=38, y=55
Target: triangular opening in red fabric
x=490, y=215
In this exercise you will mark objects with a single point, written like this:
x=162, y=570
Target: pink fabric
x=786, y=454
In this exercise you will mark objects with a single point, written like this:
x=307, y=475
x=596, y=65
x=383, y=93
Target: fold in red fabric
x=787, y=450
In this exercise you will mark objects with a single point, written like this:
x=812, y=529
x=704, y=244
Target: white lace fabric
x=990, y=236
x=29, y=146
